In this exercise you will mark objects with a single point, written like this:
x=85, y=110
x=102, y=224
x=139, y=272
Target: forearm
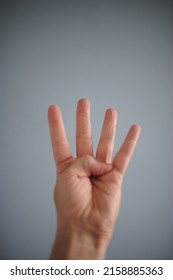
x=77, y=245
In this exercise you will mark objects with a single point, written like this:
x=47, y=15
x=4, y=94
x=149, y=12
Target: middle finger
x=83, y=129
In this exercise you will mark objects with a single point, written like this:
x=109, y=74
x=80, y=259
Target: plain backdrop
x=115, y=53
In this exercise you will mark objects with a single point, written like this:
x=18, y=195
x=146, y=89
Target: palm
x=83, y=193
x=92, y=201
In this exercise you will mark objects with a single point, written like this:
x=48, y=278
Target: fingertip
x=54, y=113
x=53, y=108
x=134, y=132
x=83, y=102
x=136, y=128
x=112, y=112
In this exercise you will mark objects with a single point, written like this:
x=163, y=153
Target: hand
x=88, y=188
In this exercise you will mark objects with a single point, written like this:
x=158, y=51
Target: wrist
x=74, y=244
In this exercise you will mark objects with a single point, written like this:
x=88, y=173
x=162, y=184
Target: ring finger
x=106, y=143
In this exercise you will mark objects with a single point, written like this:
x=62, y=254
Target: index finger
x=122, y=158
x=60, y=145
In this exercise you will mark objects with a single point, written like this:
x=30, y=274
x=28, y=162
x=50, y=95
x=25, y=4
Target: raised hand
x=88, y=188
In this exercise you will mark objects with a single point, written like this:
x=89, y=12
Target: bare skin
x=88, y=188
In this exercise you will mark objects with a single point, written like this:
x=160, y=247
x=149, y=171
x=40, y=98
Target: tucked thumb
x=91, y=166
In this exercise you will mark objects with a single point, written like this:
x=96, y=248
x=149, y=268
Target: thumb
x=90, y=166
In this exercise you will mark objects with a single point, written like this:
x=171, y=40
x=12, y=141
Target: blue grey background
x=116, y=53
